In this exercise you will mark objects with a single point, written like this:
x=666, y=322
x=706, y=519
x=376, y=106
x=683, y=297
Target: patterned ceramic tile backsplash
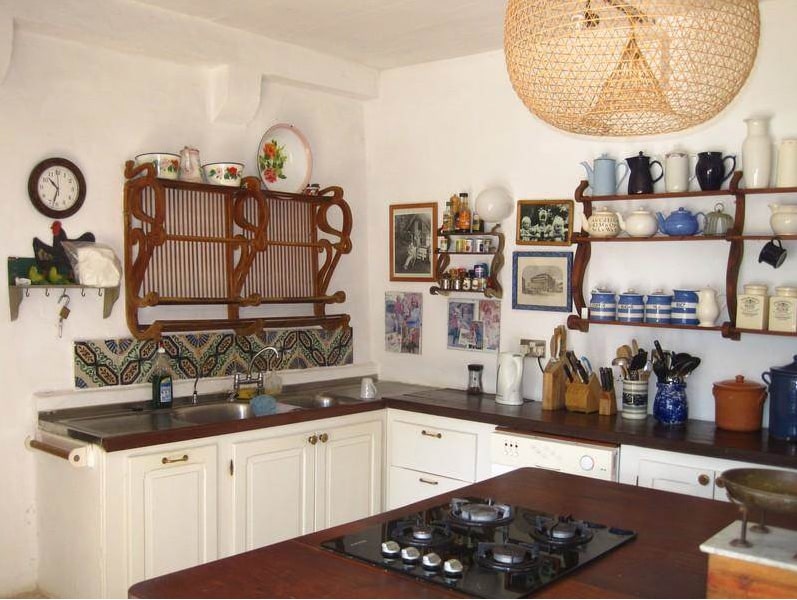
x=100, y=363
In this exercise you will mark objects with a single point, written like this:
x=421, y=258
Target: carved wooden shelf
x=195, y=244
x=493, y=289
x=584, y=239
x=579, y=324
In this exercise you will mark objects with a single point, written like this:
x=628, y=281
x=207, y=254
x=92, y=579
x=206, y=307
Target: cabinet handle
x=703, y=479
x=437, y=435
x=323, y=437
x=428, y=481
x=313, y=439
x=166, y=461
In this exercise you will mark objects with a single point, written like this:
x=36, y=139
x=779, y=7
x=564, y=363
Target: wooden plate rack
x=195, y=244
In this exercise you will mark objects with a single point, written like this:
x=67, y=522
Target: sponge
x=263, y=405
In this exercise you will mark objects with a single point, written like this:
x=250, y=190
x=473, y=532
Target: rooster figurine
x=48, y=257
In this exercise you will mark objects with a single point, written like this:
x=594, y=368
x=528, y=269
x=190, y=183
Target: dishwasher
x=510, y=451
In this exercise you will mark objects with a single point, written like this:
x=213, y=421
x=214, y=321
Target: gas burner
x=559, y=532
x=509, y=558
x=480, y=513
x=413, y=533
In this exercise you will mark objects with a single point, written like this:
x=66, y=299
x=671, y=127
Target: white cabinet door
x=681, y=479
x=173, y=516
x=349, y=476
x=273, y=490
x=408, y=486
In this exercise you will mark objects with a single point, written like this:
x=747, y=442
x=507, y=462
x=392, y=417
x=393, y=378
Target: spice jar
x=475, y=378
x=783, y=309
x=752, y=308
x=445, y=281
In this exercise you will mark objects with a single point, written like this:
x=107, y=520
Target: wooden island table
x=663, y=561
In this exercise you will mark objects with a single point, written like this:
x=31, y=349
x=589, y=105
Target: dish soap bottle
x=162, y=391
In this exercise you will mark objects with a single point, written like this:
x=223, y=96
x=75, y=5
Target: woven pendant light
x=629, y=67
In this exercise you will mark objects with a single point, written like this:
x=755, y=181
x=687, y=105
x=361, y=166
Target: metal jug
x=640, y=181
x=604, y=179
x=717, y=221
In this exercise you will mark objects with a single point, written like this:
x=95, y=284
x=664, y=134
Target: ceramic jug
x=639, y=223
x=717, y=221
x=680, y=222
x=757, y=153
x=783, y=219
x=710, y=170
x=676, y=172
x=190, y=168
x=684, y=307
x=787, y=164
x=708, y=308
x=602, y=224
x=640, y=181
x=603, y=178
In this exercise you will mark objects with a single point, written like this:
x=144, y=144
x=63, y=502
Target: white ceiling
x=378, y=33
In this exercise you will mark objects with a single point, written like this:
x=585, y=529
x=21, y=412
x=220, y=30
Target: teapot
x=640, y=223
x=784, y=219
x=603, y=178
x=680, y=222
x=640, y=181
x=718, y=222
x=602, y=224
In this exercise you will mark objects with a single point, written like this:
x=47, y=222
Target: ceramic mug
x=773, y=253
x=367, y=388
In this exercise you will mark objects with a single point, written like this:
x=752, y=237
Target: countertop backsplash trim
x=127, y=361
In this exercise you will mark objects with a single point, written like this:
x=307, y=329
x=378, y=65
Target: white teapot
x=602, y=224
x=784, y=219
x=640, y=223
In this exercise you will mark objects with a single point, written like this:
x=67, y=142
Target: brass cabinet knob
x=313, y=439
x=323, y=437
x=703, y=479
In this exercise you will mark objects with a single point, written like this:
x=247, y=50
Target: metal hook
x=99, y=292
x=64, y=296
x=83, y=292
x=47, y=292
x=27, y=292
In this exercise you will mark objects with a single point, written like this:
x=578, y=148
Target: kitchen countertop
x=696, y=437
x=664, y=560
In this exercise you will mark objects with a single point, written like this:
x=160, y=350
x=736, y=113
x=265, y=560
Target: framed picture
x=544, y=222
x=541, y=281
x=412, y=247
x=403, y=322
x=474, y=325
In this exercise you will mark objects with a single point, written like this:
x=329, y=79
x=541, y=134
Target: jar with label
x=752, y=307
x=488, y=245
x=468, y=245
x=783, y=310
x=445, y=281
x=442, y=243
x=478, y=245
x=466, y=284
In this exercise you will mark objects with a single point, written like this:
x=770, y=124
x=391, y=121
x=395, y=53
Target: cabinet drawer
x=407, y=486
x=676, y=478
x=437, y=450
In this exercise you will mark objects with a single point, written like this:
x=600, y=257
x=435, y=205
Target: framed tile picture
x=412, y=248
x=541, y=281
x=544, y=222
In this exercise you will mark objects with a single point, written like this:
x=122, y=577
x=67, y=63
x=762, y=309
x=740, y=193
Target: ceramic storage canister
x=783, y=310
x=739, y=404
x=658, y=307
x=782, y=382
x=752, y=308
x=631, y=307
x=603, y=305
x=684, y=307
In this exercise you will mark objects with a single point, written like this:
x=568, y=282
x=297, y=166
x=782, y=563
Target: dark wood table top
x=663, y=561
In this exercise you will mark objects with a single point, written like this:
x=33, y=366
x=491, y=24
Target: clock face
x=57, y=188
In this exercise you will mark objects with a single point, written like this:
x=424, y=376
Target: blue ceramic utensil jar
x=602, y=305
x=684, y=307
x=630, y=307
x=782, y=382
x=669, y=406
x=658, y=307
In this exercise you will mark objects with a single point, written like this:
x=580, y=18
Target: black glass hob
x=481, y=547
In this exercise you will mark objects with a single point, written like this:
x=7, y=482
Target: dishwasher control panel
x=515, y=450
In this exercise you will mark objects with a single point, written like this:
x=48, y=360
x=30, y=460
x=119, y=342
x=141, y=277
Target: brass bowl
x=764, y=489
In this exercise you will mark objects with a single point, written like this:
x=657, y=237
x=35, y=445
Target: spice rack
x=493, y=288
x=735, y=237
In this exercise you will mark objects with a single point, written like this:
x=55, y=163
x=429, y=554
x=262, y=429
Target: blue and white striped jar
x=658, y=307
x=603, y=305
x=630, y=307
x=684, y=308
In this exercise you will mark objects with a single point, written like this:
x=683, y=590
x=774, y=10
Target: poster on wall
x=474, y=325
x=403, y=322
x=541, y=281
x=412, y=253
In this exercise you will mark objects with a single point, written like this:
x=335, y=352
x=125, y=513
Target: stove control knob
x=410, y=554
x=390, y=549
x=587, y=463
x=452, y=567
x=431, y=561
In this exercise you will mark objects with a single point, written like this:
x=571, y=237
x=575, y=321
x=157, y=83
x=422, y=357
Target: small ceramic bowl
x=223, y=173
x=167, y=166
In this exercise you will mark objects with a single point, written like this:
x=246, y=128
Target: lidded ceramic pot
x=658, y=307
x=739, y=404
x=782, y=383
x=752, y=307
x=602, y=305
x=630, y=307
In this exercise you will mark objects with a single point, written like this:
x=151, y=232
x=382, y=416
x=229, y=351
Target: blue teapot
x=681, y=222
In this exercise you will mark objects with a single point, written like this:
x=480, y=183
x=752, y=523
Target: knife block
x=608, y=403
x=553, y=385
x=583, y=397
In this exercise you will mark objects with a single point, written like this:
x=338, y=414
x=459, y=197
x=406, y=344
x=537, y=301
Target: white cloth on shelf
x=94, y=264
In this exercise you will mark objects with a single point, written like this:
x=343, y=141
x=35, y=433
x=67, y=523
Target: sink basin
x=214, y=413
x=320, y=400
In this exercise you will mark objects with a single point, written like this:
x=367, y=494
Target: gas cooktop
x=481, y=547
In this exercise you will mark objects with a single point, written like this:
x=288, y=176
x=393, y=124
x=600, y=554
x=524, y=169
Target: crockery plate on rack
x=284, y=159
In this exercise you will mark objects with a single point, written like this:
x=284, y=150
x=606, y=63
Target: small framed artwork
x=541, y=281
x=474, y=325
x=544, y=222
x=412, y=248
x=403, y=322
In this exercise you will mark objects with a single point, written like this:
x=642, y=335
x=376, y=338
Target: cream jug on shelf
x=509, y=379
x=676, y=172
x=708, y=308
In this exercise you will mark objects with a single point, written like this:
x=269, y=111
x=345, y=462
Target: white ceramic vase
x=787, y=164
x=757, y=153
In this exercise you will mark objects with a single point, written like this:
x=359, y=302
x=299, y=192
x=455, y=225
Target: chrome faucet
x=248, y=379
x=199, y=371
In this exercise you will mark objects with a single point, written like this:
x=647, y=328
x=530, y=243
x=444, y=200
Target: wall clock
x=57, y=188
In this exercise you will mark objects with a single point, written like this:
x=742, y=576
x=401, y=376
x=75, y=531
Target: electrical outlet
x=533, y=348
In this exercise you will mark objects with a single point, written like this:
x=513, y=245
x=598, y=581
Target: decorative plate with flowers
x=284, y=159
x=272, y=159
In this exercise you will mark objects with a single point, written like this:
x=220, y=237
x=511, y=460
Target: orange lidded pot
x=739, y=404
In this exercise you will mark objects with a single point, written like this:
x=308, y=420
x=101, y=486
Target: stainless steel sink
x=214, y=413
x=319, y=400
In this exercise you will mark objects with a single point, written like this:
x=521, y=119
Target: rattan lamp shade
x=629, y=67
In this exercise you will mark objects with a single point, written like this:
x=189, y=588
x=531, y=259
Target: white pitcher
x=708, y=308
x=787, y=164
x=676, y=172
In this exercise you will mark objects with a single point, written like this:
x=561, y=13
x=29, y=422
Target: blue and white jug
x=631, y=307
x=603, y=305
x=684, y=307
x=658, y=307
